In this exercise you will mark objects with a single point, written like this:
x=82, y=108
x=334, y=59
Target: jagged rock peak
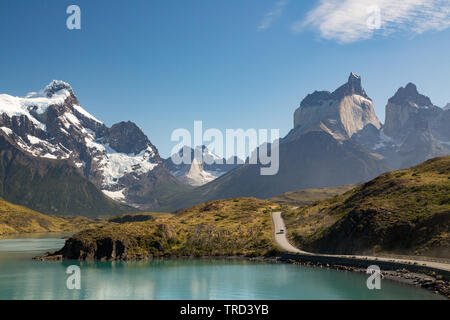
x=353, y=86
x=55, y=86
x=342, y=113
x=127, y=137
x=313, y=99
x=410, y=95
x=447, y=107
x=408, y=112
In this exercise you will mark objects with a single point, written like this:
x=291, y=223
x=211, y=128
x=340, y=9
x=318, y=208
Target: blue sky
x=230, y=63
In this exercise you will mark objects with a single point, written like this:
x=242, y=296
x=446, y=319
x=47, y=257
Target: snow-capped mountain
x=204, y=166
x=51, y=124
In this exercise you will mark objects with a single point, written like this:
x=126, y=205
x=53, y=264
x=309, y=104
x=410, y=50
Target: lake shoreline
x=435, y=283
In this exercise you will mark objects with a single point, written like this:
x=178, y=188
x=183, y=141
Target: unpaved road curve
x=282, y=241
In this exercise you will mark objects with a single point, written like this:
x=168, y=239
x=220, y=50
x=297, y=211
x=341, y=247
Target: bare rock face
x=441, y=126
x=420, y=145
x=341, y=113
x=405, y=109
x=415, y=129
x=196, y=175
x=104, y=249
x=126, y=137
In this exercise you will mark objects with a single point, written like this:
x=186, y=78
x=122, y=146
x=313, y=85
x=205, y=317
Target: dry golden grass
x=19, y=219
x=218, y=228
x=306, y=197
x=406, y=210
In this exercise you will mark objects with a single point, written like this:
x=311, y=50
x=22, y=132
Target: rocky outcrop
x=126, y=137
x=105, y=249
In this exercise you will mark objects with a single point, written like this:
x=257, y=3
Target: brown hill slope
x=306, y=197
x=19, y=219
x=233, y=227
x=404, y=212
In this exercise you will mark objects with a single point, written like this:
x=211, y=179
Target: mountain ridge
x=121, y=161
x=337, y=139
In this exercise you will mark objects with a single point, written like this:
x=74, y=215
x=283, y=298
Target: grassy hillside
x=306, y=197
x=218, y=228
x=19, y=219
x=404, y=212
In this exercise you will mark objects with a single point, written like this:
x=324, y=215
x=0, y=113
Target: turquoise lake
x=23, y=278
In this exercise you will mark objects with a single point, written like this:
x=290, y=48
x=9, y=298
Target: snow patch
x=34, y=140
x=40, y=101
x=85, y=113
x=115, y=195
x=50, y=156
x=6, y=130
x=35, y=102
x=80, y=164
x=43, y=149
x=94, y=145
x=71, y=119
x=15, y=106
x=115, y=165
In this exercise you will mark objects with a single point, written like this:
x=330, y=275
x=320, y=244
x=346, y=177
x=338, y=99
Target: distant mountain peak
x=412, y=121
x=56, y=86
x=352, y=87
x=354, y=75
x=342, y=113
x=126, y=137
x=410, y=95
x=447, y=107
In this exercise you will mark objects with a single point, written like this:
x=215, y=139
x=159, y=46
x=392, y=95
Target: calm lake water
x=23, y=278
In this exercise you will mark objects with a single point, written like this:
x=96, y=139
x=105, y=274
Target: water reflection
x=23, y=278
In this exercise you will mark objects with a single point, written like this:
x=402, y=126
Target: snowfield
x=115, y=165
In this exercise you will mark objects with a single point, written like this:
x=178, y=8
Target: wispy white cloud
x=353, y=20
x=273, y=15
